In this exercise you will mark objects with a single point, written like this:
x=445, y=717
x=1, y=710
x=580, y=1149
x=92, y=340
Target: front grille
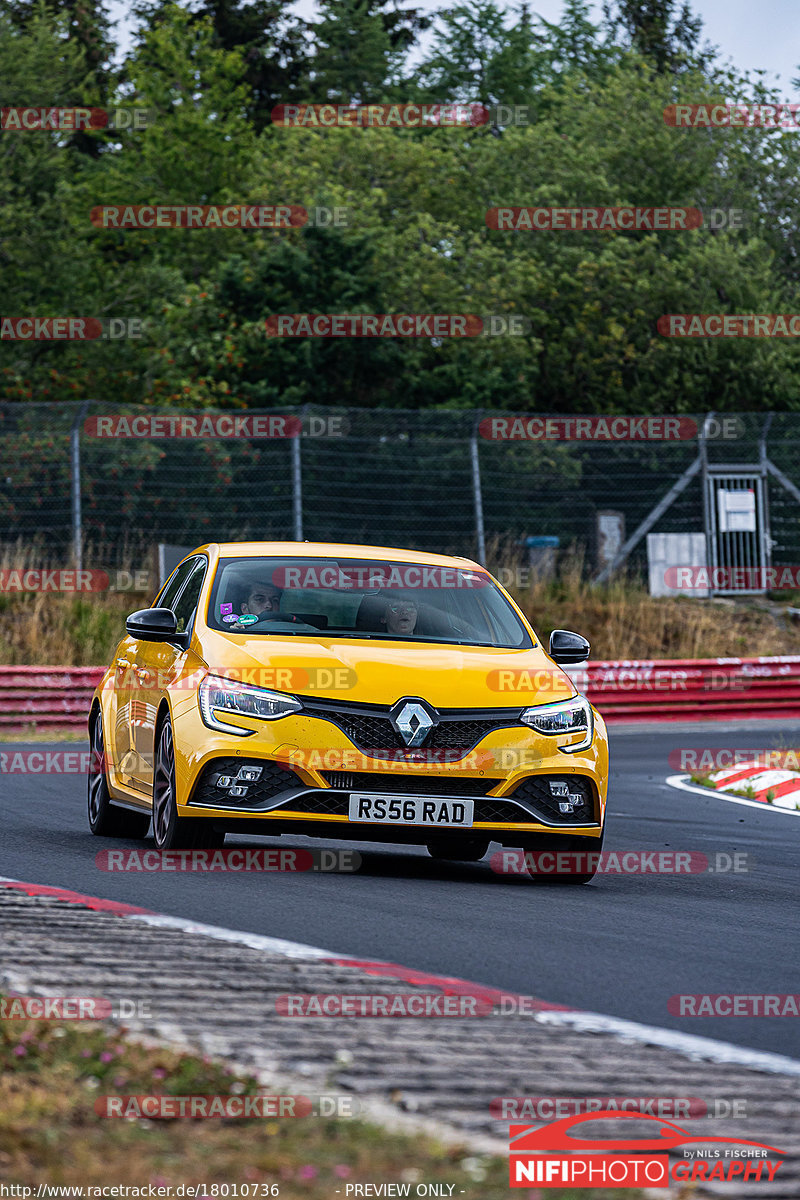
x=274, y=780
x=536, y=790
x=413, y=785
x=502, y=812
x=372, y=730
x=318, y=802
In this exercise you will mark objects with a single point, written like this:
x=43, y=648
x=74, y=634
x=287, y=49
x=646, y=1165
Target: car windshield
x=364, y=599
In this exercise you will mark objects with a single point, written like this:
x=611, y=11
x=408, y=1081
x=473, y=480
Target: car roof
x=334, y=549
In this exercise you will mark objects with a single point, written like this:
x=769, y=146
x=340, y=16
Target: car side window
x=187, y=602
x=175, y=583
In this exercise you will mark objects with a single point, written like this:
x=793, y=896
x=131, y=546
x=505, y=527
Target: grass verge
x=52, y=1073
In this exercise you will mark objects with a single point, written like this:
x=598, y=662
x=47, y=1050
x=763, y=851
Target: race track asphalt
x=620, y=946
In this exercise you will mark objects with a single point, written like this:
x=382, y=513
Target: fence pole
x=480, y=532
x=297, y=483
x=75, y=483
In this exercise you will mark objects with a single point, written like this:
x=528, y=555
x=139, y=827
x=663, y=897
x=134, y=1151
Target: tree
x=664, y=32
x=273, y=46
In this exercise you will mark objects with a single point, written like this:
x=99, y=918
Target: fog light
x=224, y=781
x=249, y=774
x=557, y=788
x=238, y=791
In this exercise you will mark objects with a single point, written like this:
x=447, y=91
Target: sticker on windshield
x=226, y=608
x=248, y=619
x=230, y=617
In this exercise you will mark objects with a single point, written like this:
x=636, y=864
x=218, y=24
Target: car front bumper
x=310, y=767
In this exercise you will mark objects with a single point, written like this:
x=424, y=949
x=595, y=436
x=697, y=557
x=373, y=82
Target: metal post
x=297, y=482
x=709, y=499
x=75, y=484
x=480, y=531
x=764, y=529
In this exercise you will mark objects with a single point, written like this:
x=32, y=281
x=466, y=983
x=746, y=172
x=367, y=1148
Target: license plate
x=410, y=810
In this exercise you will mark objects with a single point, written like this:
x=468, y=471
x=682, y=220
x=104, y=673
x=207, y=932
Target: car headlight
x=216, y=692
x=568, y=716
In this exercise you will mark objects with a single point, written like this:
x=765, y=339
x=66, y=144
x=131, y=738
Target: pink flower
x=308, y=1172
x=159, y=1073
x=86, y=1054
x=342, y=1170
x=20, y=1051
x=26, y=1036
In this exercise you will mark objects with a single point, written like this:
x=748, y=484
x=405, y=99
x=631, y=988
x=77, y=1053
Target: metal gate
x=737, y=525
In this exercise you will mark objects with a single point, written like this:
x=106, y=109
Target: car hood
x=369, y=672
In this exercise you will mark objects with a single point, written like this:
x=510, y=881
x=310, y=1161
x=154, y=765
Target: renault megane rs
x=345, y=692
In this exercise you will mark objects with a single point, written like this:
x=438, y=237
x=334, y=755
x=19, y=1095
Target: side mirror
x=153, y=625
x=567, y=647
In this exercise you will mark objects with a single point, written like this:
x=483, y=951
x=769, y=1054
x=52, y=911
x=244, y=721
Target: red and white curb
x=690, y=1045
x=776, y=791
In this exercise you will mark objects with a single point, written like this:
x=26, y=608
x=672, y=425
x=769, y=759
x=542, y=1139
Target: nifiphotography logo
x=631, y=1162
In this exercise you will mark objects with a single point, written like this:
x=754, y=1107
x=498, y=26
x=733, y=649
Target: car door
x=126, y=710
x=117, y=715
x=155, y=663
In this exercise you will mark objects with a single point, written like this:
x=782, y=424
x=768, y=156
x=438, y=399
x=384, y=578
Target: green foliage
x=417, y=240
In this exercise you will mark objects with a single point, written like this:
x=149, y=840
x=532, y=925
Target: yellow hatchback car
x=345, y=692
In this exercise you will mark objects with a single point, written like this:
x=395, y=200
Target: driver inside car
x=262, y=599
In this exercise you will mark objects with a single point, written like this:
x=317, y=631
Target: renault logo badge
x=413, y=721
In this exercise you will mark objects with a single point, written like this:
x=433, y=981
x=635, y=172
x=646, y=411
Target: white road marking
x=679, y=781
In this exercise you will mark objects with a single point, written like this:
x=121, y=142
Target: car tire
x=170, y=831
x=569, y=843
x=105, y=818
x=458, y=849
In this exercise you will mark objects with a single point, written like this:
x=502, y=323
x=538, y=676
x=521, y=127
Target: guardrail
x=692, y=689
x=44, y=699
x=56, y=699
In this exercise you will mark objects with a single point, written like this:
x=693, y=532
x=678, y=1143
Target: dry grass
x=622, y=621
x=64, y=629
